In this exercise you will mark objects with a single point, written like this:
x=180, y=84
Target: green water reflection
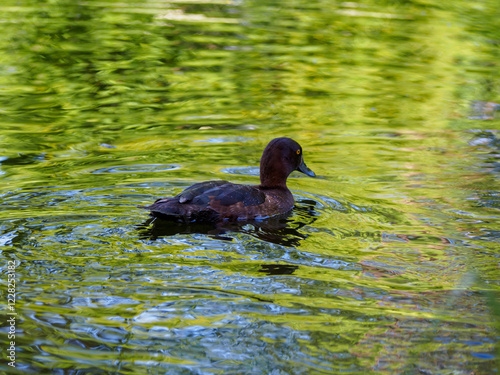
x=388, y=264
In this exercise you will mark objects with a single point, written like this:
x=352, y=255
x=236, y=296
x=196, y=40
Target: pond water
x=389, y=262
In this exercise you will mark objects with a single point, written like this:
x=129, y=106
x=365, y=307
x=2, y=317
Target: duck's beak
x=303, y=168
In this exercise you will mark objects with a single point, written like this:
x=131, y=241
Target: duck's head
x=281, y=157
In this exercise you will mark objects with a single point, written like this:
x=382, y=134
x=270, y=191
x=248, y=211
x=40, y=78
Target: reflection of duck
x=215, y=201
x=279, y=229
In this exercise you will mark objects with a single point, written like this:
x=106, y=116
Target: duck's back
x=219, y=200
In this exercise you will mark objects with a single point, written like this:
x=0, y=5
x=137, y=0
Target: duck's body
x=214, y=201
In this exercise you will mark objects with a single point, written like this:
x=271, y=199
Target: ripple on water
x=138, y=168
x=242, y=171
x=223, y=140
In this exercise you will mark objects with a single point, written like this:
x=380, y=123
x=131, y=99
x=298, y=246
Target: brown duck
x=214, y=201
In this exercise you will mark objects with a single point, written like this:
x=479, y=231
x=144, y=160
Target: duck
x=218, y=201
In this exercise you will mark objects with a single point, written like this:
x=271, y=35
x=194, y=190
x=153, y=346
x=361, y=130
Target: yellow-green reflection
x=106, y=105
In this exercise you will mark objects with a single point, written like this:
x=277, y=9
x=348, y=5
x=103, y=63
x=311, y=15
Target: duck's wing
x=210, y=201
x=221, y=193
x=198, y=189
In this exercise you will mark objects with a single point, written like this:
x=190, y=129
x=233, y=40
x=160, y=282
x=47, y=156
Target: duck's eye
x=298, y=151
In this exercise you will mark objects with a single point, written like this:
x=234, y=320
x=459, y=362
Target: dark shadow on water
x=281, y=230
x=278, y=269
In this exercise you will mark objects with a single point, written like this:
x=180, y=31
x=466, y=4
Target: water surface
x=389, y=262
